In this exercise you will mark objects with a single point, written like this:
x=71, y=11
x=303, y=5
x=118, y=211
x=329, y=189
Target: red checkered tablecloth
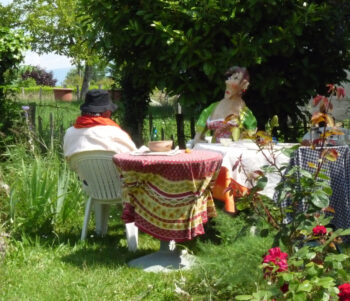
x=169, y=197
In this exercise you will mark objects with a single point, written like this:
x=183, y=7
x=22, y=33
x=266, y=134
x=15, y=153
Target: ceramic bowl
x=160, y=146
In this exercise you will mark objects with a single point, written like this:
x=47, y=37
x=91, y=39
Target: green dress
x=246, y=122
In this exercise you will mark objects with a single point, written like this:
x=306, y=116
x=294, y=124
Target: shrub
x=41, y=76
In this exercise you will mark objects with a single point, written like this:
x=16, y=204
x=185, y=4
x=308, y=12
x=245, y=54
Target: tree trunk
x=86, y=80
x=135, y=99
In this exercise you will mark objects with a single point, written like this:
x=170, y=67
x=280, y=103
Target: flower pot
x=63, y=94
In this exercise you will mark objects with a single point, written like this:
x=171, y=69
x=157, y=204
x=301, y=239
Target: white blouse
x=101, y=137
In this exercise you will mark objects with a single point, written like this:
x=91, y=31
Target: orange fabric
x=223, y=181
x=90, y=121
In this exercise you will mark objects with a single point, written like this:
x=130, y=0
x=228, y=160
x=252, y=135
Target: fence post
x=40, y=127
x=51, y=130
x=40, y=94
x=32, y=113
x=22, y=93
x=100, y=86
x=162, y=134
x=78, y=93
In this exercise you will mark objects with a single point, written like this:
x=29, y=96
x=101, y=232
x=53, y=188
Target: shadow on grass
x=110, y=250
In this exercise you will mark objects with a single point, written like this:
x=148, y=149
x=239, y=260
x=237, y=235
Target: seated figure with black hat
x=94, y=129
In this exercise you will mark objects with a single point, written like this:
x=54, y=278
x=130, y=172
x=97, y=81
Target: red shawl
x=90, y=121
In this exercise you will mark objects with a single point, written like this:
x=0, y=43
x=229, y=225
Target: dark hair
x=237, y=69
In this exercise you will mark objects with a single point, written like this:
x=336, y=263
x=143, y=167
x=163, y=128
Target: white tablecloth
x=252, y=159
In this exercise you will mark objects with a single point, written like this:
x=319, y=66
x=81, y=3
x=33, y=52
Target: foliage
x=12, y=46
x=55, y=26
x=74, y=78
x=229, y=254
x=9, y=16
x=312, y=273
x=186, y=46
x=40, y=200
x=314, y=268
x=40, y=75
x=133, y=59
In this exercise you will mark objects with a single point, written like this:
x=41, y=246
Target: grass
x=68, y=269
x=84, y=271
x=46, y=260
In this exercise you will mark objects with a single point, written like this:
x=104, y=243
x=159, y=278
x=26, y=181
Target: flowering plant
x=319, y=230
x=312, y=266
x=344, y=292
x=274, y=262
x=323, y=117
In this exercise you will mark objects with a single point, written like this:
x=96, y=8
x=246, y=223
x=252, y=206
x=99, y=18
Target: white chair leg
x=101, y=218
x=86, y=218
x=132, y=236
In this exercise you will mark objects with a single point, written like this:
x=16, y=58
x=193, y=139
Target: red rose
x=319, y=230
x=277, y=258
x=344, y=294
x=284, y=288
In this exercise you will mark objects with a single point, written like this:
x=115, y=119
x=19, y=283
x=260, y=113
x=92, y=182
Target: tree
x=281, y=42
x=9, y=16
x=186, y=46
x=12, y=46
x=134, y=59
x=54, y=26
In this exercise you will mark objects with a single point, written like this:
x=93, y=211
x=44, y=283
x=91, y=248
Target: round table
x=169, y=197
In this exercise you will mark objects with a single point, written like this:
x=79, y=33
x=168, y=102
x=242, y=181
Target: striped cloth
x=339, y=174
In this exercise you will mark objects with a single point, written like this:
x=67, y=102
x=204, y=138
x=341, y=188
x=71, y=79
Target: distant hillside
x=60, y=75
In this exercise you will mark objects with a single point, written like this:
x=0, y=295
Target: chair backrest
x=99, y=175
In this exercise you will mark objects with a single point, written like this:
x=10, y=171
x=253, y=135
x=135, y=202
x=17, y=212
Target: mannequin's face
x=235, y=85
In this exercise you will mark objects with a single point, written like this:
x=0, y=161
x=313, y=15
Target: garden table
x=169, y=197
x=252, y=160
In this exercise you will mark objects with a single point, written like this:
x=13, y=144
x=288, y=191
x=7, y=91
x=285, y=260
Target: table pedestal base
x=164, y=260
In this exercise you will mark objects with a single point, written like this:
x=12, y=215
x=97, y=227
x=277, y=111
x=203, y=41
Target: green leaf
x=336, y=257
x=327, y=190
x=326, y=282
x=345, y=232
x=305, y=286
x=287, y=276
x=207, y=68
x=320, y=199
x=323, y=176
x=289, y=151
x=261, y=183
x=242, y=205
x=244, y=297
x=300, y=296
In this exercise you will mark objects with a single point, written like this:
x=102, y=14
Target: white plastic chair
x=101, y=181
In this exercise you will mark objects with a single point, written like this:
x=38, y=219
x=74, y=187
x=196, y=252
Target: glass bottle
x=154, y=136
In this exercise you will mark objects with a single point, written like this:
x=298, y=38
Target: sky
x=49, y=61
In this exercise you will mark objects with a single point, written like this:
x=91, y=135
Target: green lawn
x=45, y=259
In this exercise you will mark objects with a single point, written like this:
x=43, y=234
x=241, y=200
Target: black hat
x=98, y=101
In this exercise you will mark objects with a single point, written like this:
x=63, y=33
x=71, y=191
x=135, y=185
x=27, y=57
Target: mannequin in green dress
x=229, y=117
